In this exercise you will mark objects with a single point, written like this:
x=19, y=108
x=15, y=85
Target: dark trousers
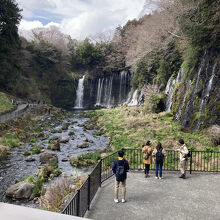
x=159, y=167
x=147, y=168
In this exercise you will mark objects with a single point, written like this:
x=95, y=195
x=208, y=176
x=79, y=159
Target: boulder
x=46, y=158
x=87, y=140
x=65, y=126
x=71, y=133
x=30, y=159
x=100, y=150
x=21, y=190
x=64, y=139
x=83, y=145
x=64, y=160
x=74, y=161
x=45, y=172
x=55, y=146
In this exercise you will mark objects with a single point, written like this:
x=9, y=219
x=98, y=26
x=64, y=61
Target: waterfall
x=133, y=101
x=177, y=115
x=112, y=90
x=109, y=92
x=122, y=88
x=99, y=92
x=211, y=80
x=170, y=88
x=205, y=97
x=79, y=94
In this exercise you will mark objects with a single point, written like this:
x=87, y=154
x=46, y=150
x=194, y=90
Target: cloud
x=28, y=25
x=79, y=18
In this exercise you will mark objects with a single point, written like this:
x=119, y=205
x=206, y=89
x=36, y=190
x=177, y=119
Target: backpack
x=120, y=170
x=159, y=157
x=187, y=155
x=146, y=154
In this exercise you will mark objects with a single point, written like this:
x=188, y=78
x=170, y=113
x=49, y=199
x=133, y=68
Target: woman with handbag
x=147, y=158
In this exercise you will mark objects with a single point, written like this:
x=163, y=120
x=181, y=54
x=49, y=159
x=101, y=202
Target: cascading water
x=170, y=88
x=133, y=100
x=99, y=92
x=177, y=115
x=79, y=93
x=205, y=97
x=113, y=90
x=196, y=100
x=122, y=90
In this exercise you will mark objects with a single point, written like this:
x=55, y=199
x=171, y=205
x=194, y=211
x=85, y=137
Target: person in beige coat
x=183, y=158
x=149, y=160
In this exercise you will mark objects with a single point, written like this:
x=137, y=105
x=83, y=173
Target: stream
x=15, y=167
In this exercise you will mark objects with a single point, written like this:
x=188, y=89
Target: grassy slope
x=5, y=103
x=129, y=127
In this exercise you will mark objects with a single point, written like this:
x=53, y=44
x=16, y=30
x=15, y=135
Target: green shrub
x=38, y=182
x=26, y=153
x=3, y=155
x=57, y=172
x=36, y=149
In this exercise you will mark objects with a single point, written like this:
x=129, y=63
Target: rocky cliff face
x=194, y=97
x=63, y=93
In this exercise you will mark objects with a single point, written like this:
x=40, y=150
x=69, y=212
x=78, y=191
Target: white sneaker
x=123, y=200
x=160, y=178
x=116, y=200
x=156, y=177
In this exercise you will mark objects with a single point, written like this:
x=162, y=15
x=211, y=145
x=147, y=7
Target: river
x=15, y=168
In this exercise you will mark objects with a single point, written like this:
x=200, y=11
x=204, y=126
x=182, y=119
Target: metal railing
x=201, y=161
x=82, y=199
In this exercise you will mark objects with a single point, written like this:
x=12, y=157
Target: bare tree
x=54, y=36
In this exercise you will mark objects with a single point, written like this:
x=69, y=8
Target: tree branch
x=175, y=35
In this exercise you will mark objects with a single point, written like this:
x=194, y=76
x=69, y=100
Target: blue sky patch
x=46, y=17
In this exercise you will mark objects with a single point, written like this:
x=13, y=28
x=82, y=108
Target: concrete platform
x=15, y=212
x=197, y=197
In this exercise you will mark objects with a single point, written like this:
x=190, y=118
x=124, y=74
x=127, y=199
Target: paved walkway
x=21, y=108
x=197, y=197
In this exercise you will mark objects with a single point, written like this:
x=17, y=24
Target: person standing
x=120, y=168
x=183, y=158
x=159, y=153
x=147, y=158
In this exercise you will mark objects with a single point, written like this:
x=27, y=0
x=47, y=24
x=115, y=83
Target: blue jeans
x=159, y=166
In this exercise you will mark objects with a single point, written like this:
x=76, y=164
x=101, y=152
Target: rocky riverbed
x=73, y=139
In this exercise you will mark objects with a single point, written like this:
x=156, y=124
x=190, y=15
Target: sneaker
x=123, y=200
x=160, y=178
x=182, y=176
x=156, y=177
x=116, y=200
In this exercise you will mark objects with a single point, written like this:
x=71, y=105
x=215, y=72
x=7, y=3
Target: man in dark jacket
x=120, y=168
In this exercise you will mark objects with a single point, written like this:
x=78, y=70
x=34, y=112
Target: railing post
x=190, y=162
x=100, y=175
x=78, y=203
x=89, y=191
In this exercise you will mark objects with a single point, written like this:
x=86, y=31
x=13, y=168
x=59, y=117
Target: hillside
x=175, y=48
x=5, y=103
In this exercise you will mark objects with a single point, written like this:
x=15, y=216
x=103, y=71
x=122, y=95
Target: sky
x=78, y=18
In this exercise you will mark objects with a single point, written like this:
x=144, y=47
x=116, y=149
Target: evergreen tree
x=9, y=42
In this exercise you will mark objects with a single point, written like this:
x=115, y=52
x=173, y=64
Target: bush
x=26, y=153
x=38, y=182
x=36, y=149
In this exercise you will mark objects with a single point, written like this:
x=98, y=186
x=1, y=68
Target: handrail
x=202, y=161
